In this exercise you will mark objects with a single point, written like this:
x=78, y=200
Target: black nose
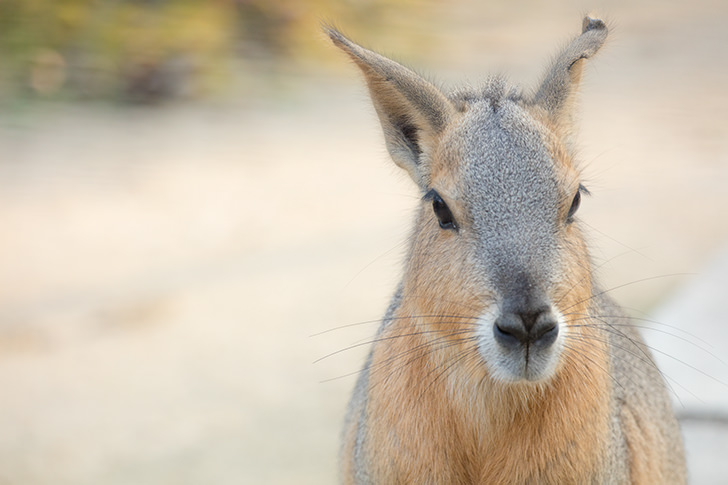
x=526, y=327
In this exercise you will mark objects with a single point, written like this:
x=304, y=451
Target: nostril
x=516, y=329
x=509, y=331
x=545, y=331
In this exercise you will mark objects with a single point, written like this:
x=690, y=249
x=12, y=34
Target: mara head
x=497, y=260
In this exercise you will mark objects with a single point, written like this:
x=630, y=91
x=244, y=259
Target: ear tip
x=590, y=23
x=333, y=33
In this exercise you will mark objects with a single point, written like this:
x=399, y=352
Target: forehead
x=500, y=148
x=506, y=181
x=503, y=141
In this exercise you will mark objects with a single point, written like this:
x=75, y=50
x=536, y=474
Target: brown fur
x=429, y=406
x=412, y=387
x=552, y=433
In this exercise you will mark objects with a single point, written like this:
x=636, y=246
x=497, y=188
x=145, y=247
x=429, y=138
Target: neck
x=503, y=432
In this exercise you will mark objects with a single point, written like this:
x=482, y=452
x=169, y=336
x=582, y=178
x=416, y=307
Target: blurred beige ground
x=162, y=271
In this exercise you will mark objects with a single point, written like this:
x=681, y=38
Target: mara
x=500, y=359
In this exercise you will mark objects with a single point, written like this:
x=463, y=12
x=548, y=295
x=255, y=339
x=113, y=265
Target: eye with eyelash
x=442, y=211
x=575, y=203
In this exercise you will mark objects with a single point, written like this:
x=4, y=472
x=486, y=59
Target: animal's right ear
x=412, y=111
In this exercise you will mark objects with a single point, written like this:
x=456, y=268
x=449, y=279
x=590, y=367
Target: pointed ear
x=412, y=111
x=557, y=92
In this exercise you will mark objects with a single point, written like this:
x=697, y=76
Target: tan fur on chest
x=437, y=412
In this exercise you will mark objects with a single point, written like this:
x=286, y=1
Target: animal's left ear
x=558, y=90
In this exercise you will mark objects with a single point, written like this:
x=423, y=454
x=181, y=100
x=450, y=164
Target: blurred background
x=191, y=192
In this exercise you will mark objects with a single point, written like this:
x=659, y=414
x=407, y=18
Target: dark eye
x=575, y=203
x=442, y=211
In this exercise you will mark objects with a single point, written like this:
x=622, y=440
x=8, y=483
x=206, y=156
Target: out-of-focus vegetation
x=150, y=50
x=140, y=51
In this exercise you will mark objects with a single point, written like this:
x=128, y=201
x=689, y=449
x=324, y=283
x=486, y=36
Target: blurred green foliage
x=136, y=50
x=150, y=50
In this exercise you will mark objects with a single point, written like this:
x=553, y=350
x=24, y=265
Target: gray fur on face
x=510, y=191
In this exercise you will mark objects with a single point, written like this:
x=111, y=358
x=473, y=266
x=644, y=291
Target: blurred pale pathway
x=689, y=335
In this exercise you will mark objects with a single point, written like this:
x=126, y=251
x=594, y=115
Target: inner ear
x=411, y=136
x=413, y=112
